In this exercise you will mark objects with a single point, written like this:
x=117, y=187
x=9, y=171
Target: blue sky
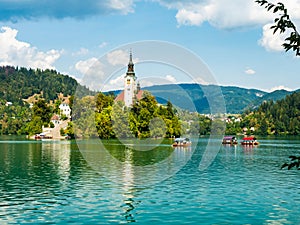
x=231, y=37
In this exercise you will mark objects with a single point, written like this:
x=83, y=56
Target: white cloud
x=270, y=41
x=82, y=51
x=250, y=71
x=118, y=57
x=89, y=66
x=219, y=13
x=230, y=14
x=124, y=6
x=281, y=87
x=92, y=70
x=103, y=44
x=114, y=84
x=171, y=78
x=226, y=13
x=200, y=80
x=79, y=80
x=188, y=17
x=17, y=53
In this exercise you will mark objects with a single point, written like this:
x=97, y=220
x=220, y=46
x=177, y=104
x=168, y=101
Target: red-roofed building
x=55, y=120
x=131, y=89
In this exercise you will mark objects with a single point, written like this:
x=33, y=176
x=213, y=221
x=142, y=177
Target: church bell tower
x=129, y=83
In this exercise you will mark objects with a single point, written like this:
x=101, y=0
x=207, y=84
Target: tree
x=282, y=23
x=103, y=101
x=205, y=125
x=34, y=126
x=70, y=130
x=291, y=43
x=84, y=117
x=120, y=121
x=56, y=106
x=264, y=127
x=42, y=110
x=104, y=123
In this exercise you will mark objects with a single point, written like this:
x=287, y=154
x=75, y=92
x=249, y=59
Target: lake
x=58, y=182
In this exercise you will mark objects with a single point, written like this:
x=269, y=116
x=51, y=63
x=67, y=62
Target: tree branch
x=282, y=23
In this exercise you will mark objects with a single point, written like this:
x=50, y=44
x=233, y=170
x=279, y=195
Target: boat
x=42, y=136
x=229, y=140
x=181, y=142
x=249, y=141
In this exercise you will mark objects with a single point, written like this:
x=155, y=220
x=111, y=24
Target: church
x=132, y=90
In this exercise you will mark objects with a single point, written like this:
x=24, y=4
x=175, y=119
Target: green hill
x=21, y=83
x=280, y=117
x=192, y=96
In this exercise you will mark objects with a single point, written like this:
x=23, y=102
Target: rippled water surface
x=55, y=182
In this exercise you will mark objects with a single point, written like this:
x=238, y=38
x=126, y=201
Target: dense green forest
x=20, y=83
x=272, y=118
x=99, y=115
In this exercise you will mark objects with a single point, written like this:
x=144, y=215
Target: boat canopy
x=228, y=138
x=181, y=139
x=249, y=138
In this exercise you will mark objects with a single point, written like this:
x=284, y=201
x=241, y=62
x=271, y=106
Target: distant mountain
x=20, y=83
x=192, y=96
x=275, y=96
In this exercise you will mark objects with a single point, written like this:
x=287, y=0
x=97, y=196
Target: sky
x=231, y=38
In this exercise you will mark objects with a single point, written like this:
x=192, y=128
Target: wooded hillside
x=21, y=83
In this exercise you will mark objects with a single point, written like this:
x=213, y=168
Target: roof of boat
x=228, y=137
x=249, y=138
x=181, y=139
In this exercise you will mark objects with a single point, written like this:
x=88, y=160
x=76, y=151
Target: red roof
x=120, y=97
x=139, y=95
x=55, y=117
x=249, y=138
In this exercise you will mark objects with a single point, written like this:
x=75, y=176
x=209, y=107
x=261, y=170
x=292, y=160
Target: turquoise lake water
x=66, y=182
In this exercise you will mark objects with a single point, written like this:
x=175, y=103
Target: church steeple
x=130, y=85
x=130, y=69
x=132, y=90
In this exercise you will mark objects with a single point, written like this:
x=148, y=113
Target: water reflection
x=133, y=170
x=128, y=186
x=59, y=153
x=120, y=163
x=129, y=207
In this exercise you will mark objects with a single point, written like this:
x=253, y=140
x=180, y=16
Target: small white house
x=55, y=120
x=8, y=103
x=65, y=110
